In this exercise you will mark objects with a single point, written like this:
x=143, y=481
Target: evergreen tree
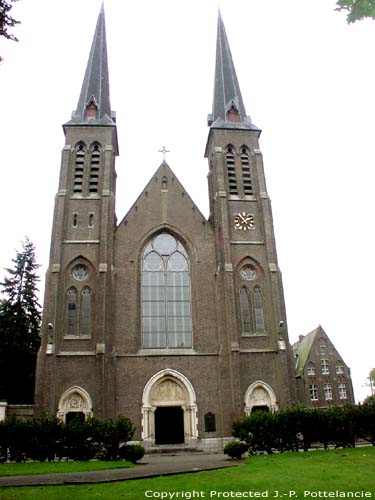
x=20, y=319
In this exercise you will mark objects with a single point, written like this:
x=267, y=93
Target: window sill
x=77, y=337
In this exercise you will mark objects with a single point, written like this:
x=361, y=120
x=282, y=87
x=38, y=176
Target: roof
x=95, y=87
x=303, y=347
x=227, y=93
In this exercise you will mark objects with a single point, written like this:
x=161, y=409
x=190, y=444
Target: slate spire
x=94, y=105
x=228, y=107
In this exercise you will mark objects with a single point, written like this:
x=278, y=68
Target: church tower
x=77, y=296
x=252, y=302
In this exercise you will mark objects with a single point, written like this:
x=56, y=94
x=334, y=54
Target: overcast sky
x=307, y=79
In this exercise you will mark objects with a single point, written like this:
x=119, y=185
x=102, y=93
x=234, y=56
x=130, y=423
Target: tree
x=20, y=319
x=357, y=9
x=7, y=21
x=372, y=381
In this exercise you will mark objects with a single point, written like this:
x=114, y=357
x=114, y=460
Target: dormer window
x=233, y=115
x=91, y=108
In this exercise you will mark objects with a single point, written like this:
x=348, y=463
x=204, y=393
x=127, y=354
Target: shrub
x=132, y=452
x=113, y=434
x=235, y=449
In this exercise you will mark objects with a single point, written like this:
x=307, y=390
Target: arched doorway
x=260, y=397
x=169, y=410
x=75, y=403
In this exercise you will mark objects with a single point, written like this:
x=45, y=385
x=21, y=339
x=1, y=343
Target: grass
x=32, y=468
x=288, y=476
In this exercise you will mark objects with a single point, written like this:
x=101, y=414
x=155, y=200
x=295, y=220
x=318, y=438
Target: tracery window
x=251, y=301
x=79, y=305
x=166, y=301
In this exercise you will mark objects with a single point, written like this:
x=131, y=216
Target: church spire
x=94, y=105
x=228, y=108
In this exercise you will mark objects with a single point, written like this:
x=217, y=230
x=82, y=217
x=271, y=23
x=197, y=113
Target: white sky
x=307, y=79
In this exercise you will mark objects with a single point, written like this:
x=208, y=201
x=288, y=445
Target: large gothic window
x=166, y=303
x=251, y=300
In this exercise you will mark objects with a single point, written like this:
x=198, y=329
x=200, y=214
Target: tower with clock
x=168, y=317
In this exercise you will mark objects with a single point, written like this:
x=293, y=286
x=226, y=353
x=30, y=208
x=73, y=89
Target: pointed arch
x=230, y=159
x=245, y=168
x=259, y=394
x=245, y=311
x=169, y=387
x=71, y=311
x=95, y=159
x=80, y=152
x=166, y=294
x=75, y=400
x=258, y=310
x=80, y=279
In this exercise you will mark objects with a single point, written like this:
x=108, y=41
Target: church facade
x=172, y=319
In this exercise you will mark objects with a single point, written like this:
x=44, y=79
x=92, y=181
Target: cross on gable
x=164, y=151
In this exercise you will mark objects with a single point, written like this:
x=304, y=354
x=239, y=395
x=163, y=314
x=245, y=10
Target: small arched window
x=86, y=311
x=246, y=176
x=231, y=171
x=72, y=311
x=166, y=303
x=258, y=310
x=245, y=311
x=79, y=166
x=94, y=169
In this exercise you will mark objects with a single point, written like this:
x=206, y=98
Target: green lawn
x=54, y=467
x=290, y=475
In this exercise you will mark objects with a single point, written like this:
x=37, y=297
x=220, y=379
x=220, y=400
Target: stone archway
x=75, y=400
x=164, y=394
x=260, y=395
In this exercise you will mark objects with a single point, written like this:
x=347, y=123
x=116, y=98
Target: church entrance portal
x=169, y=410
x=169, y=425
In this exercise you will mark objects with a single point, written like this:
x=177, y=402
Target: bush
x=132, y=452
x=235, y=449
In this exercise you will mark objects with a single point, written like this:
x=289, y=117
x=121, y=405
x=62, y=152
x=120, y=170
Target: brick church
x=172, y=319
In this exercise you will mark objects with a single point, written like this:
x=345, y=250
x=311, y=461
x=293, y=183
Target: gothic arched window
x=72, y=311
x=246, y=176
x=86, y=311
x=245, y=311
x=94, y=168
x=79, y=165
x=231, y=170
x=166, y=303
x=258, y=310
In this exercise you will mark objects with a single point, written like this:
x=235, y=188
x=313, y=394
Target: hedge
x=299, y=427
x=47, y=438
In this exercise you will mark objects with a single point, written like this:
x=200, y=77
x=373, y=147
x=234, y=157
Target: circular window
x=80, y=272
x=248, y=273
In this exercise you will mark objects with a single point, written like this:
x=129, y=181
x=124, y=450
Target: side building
x=323, y=379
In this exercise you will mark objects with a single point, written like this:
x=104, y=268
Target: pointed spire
x=94, y=104
x=228, y=108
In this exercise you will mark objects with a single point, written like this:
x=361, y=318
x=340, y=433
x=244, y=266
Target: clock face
x=244, y=221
